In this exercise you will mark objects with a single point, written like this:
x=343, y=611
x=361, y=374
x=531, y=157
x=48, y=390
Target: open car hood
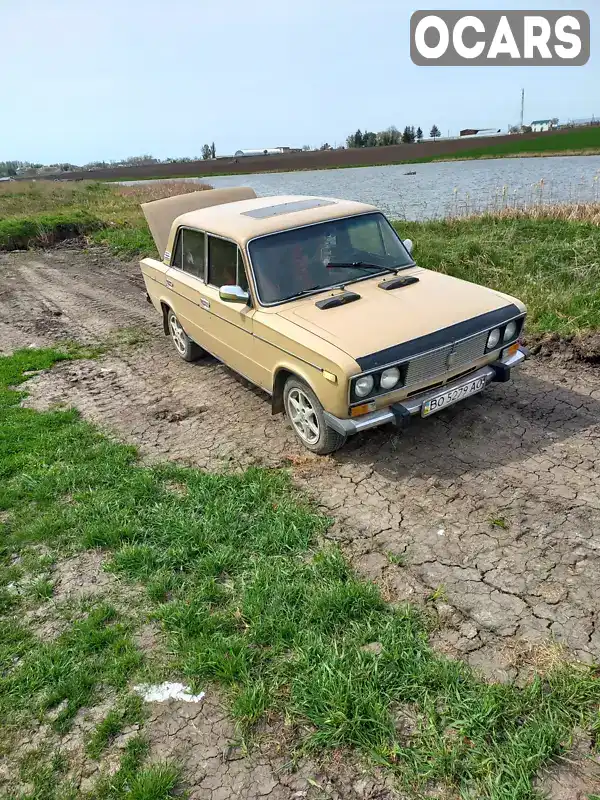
x=381, y=319
x=160, y=214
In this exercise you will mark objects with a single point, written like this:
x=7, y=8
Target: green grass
x=40, y=213
x=19, y=233
x=573, y=142
x=44, y=772
x=250, y=602
x=129, y=712
x=552, y=265
x=65, y=675
x=134, y=781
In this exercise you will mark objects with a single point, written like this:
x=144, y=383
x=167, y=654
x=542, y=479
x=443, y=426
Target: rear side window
x=190, y=253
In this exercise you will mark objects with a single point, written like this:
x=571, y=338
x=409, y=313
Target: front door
x=231, y=324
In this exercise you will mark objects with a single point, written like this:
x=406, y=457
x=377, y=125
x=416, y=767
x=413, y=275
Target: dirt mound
x=584, y=348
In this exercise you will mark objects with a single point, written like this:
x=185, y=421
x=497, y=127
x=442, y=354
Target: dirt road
x=492, y=507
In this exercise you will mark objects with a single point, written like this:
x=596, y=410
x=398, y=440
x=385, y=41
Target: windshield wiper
x=361, y=265
x=307, y=291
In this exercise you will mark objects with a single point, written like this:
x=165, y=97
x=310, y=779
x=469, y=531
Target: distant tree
x=369, y=139
x=389, y=136
x=9, y=168
x=134, y=161
x=408, y=135
x=206, y=152
x=435, y=132
x=305, y=148
x=419, y=134
x=326, y=146
x=358, y=139
x=514, y=129
x=213, y=151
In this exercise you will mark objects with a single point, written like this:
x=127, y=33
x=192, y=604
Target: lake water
x=440, y=189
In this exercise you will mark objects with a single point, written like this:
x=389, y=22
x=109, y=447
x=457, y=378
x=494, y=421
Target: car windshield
x=302, y=260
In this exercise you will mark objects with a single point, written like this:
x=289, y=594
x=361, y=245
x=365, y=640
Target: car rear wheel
x=186, y=348
x=305, y=413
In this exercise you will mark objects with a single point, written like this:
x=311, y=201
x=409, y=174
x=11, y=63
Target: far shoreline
x=438, y=160
x=570, y=141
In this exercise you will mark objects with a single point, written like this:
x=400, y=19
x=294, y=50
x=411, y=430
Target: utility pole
x=522, y=107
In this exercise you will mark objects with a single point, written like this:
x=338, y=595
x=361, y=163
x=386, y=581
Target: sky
x=106, y=79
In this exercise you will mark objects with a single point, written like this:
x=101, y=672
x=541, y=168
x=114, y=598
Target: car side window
x=193, y=252
x=222, y=262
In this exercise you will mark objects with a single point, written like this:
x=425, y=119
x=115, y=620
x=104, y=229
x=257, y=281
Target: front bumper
x=400, y=413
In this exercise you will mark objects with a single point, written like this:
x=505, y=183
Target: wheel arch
x=165, y=314
x=282, y=373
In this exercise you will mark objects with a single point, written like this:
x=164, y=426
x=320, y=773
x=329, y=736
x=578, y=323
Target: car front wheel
x=305, y=413
x=187, y=349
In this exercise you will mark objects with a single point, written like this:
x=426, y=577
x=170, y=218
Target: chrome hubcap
x=177, y=334
x=303, y=416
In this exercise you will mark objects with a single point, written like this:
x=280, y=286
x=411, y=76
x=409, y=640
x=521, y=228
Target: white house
x=539, y=125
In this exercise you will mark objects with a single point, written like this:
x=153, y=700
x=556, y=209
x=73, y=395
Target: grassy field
x=249, y=601
x=37, y=213
x=579, y=141
x=549, y=256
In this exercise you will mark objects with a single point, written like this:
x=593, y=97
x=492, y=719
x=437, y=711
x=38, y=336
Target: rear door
x=186, y=285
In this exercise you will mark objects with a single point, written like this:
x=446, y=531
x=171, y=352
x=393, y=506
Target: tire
x=305, y=414
x=186, y=348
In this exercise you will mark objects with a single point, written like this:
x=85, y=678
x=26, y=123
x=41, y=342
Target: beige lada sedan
x=320, y=303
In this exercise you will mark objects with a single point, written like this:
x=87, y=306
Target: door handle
x=169, y=283
x=204, y=303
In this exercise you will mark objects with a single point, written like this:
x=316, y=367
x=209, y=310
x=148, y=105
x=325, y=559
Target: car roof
x=245, y=219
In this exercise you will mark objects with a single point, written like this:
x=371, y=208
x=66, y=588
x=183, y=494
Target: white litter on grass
x=167, y=691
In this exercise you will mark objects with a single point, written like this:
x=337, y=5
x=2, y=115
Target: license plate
x=452, y=396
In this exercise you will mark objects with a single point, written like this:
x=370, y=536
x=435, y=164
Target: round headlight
x=493, y=338
x=510, y=331
x=389, y=378
x=363, y=385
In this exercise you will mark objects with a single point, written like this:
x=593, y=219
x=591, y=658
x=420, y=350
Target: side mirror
x=233, y=294
x=408, y=244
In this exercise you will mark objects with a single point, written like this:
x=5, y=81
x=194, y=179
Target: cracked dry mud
x=492, y=507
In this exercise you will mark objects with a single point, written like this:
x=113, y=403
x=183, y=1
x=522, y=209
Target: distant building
x=480, y=131
x=541, y=125
x=268, y=151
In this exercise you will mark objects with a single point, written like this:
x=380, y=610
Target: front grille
x=428, y=366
